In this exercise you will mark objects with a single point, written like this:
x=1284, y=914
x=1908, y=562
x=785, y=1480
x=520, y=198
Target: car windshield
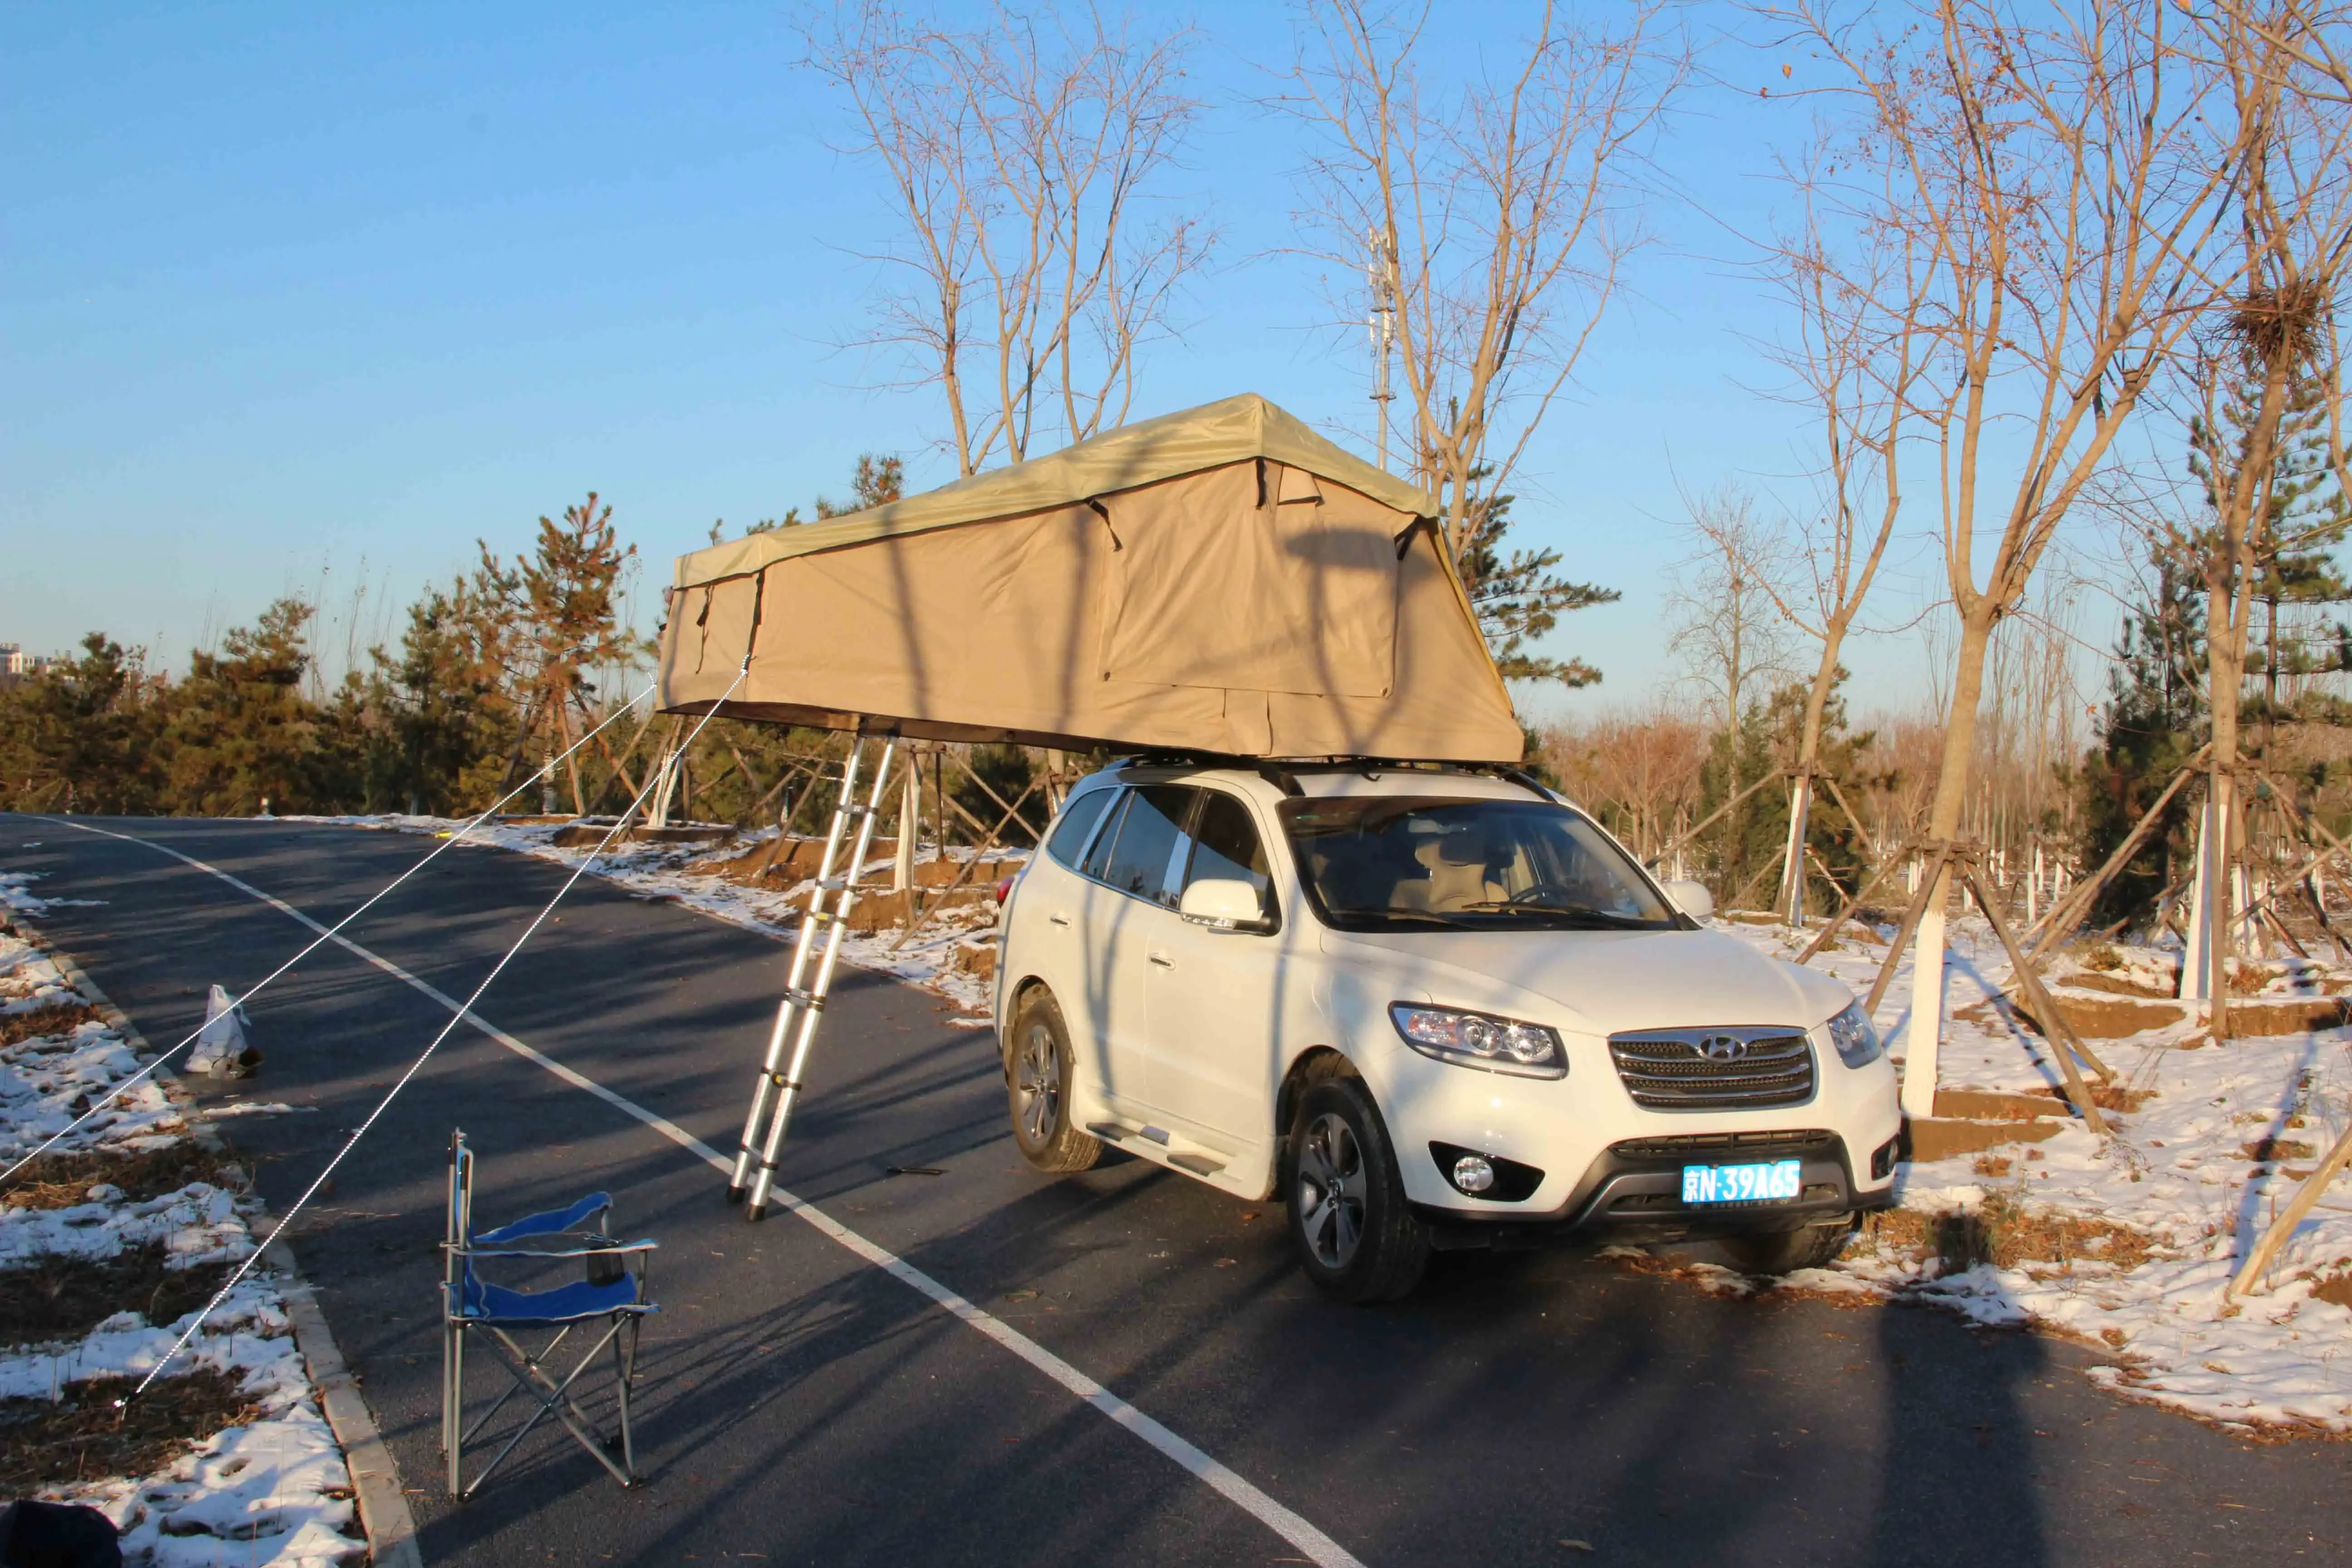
x=1401, y=862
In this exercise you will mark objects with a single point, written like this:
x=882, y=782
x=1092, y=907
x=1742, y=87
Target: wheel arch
x=1310, y=1068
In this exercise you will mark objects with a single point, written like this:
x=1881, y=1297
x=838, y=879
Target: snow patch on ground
x=2182, y=1170
x=274, y=1492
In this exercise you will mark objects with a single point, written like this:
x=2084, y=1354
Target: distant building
x=16, y=663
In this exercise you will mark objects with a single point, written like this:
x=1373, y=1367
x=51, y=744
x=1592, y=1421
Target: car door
x=1211, y=994
x=1044, y=934
x=1132, y=871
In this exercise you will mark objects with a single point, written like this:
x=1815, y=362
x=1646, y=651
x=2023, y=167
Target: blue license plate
x=1772, y=1182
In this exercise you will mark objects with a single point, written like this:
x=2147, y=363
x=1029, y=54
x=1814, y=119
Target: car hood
x=1600, y=982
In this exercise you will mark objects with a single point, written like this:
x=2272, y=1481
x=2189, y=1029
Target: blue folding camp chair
x=611, y=1292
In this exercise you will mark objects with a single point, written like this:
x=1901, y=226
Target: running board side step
x=1112, y=1133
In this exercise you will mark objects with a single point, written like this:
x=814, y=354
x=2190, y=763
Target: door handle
x=1161, y=959
x=1057, y=919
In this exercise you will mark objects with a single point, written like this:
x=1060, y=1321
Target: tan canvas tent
x=1221, y=580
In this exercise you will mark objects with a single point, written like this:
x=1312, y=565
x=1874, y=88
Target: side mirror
x=1692, y=899
x=1226, y=903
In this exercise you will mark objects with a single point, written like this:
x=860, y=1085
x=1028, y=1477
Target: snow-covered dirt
x=2177, y=1192
x=274, y=1491
x=2179, y=1180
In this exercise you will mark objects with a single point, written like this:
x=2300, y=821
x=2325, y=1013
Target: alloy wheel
x=1037, y=1080
x=1331, y=1189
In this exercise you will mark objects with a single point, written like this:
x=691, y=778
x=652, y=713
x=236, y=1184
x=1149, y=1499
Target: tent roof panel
x=1230, y=430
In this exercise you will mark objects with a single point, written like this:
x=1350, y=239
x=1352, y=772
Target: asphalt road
x=798, y=1403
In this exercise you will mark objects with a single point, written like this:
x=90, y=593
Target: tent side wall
x=1252, y=608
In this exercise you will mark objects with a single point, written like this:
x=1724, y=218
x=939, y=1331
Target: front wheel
x=1038, y=1082
x=1357, y=1237
x=1786, y=1251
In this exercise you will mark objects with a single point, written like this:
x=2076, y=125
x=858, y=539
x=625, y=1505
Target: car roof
x=1325, y=782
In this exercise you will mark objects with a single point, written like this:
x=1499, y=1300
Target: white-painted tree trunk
x=2196, y=959
x=1924, y=1035
x=902, y=866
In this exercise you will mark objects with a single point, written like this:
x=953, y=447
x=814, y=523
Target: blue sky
x=292, y=296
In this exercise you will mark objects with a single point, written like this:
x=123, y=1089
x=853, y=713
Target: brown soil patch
x=2105, y=1096
x=2098, y=1018
x=2114, y=985
x=61, y=1181
x=84, y=1437
x=66, y=1298
x=1994, y=1165
x=2270, y=1146
x=2016, y=1235
x=2336, y=1289
x=57, y=1019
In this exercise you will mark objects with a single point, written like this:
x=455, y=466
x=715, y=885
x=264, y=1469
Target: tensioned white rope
x=418, y=1065
x=103, y=1101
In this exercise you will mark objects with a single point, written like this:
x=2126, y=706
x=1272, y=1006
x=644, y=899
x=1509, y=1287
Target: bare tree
x=1024, y=155
x=2062, y=170
x=1640, y=768
x=1502, y=209
x=2294, y=208
x=1729, y=633
x=1856, y=366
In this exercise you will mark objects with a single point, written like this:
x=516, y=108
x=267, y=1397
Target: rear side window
x=1225, y=845
x=1098, y=862
x=1150, y=835
x=1069, y=837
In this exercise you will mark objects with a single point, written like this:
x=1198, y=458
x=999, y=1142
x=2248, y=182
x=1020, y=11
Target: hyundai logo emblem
x=1720, y=1047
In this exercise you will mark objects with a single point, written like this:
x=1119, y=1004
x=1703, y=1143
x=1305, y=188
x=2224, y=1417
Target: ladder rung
x=781, y=1081
x=832, y=884
x=809, y=1000
x=855, y=810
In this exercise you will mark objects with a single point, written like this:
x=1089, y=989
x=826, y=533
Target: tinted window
x=1226, y=846
x=1379, y=861
x=1069, y=837
x=1148, y=836
x=1098, y=858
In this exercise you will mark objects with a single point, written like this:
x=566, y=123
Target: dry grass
x=57, y=1019
x=66, y=1298
x=83, y=1437
x=2019, y=1236
x=2004, y=1234
x=61, y=1181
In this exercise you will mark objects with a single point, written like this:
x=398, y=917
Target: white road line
x=1318, y=1547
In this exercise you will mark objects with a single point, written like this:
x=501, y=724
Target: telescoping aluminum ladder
x=779, y=1084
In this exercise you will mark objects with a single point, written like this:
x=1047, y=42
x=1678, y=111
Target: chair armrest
x=553, y=1222
x=602, y=1250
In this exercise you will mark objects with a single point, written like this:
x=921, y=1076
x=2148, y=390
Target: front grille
x=1715, y=1070
x=1722, y=1145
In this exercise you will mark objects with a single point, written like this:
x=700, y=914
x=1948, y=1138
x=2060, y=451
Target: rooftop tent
x=1221, y=580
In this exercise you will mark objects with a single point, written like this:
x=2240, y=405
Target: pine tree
x=570, y=608
x=2154, y=720
x=1520, y=597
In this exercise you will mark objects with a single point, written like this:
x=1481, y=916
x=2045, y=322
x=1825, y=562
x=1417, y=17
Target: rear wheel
x=1357, y=1237
x=1786, y=1251
x=1037, y=1083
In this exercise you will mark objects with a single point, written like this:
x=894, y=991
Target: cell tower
x=1380, y=273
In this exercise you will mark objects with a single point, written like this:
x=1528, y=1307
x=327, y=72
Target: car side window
x=1069, y=837
x=1226, y=845
x=1098, y=861
x=1150, y=834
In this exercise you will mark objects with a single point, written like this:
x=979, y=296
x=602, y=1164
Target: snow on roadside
x=2220, y=1141
x=272, y=1491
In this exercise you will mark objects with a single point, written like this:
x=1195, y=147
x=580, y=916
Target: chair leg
x=624, y=1368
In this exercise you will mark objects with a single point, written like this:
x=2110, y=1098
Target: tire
x=1037, y=1079
x=1786, y=1251
x=1357, y=1237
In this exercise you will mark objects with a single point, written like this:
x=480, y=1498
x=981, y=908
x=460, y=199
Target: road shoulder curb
x=375, y=1480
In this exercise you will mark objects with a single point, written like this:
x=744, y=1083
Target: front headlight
x=1480, y=1040
x=1856, y=1041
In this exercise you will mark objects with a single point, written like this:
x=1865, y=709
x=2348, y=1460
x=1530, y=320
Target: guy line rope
x=415, y=1067
x=106, y=1098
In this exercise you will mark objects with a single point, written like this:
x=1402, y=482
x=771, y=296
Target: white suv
x=1432, y=1007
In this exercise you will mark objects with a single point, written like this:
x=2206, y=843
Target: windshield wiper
x=1396, y=917
x=1571, y=919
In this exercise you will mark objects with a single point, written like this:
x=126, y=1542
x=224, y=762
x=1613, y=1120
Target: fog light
x=1472, y=1174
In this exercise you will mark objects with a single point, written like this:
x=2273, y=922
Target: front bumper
x=1632, y=1193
